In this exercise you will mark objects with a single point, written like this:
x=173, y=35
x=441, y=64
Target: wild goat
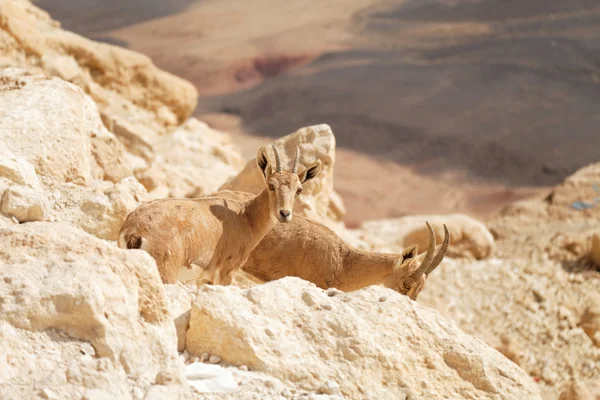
x=212, y=233
x=313, y=252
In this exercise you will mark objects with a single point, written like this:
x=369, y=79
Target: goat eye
x=406, y=286
x=298, y=191
x=271, y=187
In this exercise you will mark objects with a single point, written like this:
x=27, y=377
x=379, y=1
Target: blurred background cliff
x=437, y=106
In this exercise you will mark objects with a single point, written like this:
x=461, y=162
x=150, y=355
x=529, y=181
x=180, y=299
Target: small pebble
x=538, y=295
x=194, y=360
x=326, y=307
x=382, y=299
x=214, y=359
x=185, y=355
x=243, y=368
x=204, y=357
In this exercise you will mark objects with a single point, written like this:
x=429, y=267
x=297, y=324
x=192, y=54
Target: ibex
x=215, y=234
x=311, y=251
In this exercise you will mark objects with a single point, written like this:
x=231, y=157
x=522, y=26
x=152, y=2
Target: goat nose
x=284, y=213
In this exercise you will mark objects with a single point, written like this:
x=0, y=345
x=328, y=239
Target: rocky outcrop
x=470, y=238
x=55, y=128
x=138, y=104
x=80, y=318
x=523, y=307
x=57, y=160
x=373, y=342
x=135, y=98
x=318, y=200
x=194, y=160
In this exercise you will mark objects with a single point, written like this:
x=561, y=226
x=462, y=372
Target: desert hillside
x=90, y=132
x=494, y=100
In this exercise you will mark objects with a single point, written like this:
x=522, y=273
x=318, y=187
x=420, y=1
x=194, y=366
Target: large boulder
x=373, y=343
x=469, y=237
x=136, y=99
x=318, y=200
x=58, y=162
x=55, y=127
x=80, y=318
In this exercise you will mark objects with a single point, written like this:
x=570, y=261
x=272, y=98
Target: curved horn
x=296, y=160
x=441, y=252
x=277, y=159
x=424, y=266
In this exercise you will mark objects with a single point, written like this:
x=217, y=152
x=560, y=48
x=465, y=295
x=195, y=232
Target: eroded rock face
x=373, y=342
x=318, y=200
x=523, y=307
x=468, y=237
x=180, y=299
x=135, y=97
x=192, y=161
x=54, y=127
x=80, y=317
x=57, y=160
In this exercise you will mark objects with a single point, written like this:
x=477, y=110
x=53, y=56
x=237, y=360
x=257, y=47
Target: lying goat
x=313, y=252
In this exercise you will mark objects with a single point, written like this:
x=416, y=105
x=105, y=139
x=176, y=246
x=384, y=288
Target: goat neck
x=260, y=216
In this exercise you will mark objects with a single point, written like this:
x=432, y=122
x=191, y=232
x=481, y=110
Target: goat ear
x=262, y=161
x=310, y=172
x=410, y=253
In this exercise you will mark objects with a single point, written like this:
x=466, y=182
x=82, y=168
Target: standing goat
x=313, y=252
x=215, y=234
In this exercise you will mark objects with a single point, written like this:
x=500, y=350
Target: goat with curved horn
x=415, y=280
x=422, y=268
x=441, y=253
x=311, y=251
